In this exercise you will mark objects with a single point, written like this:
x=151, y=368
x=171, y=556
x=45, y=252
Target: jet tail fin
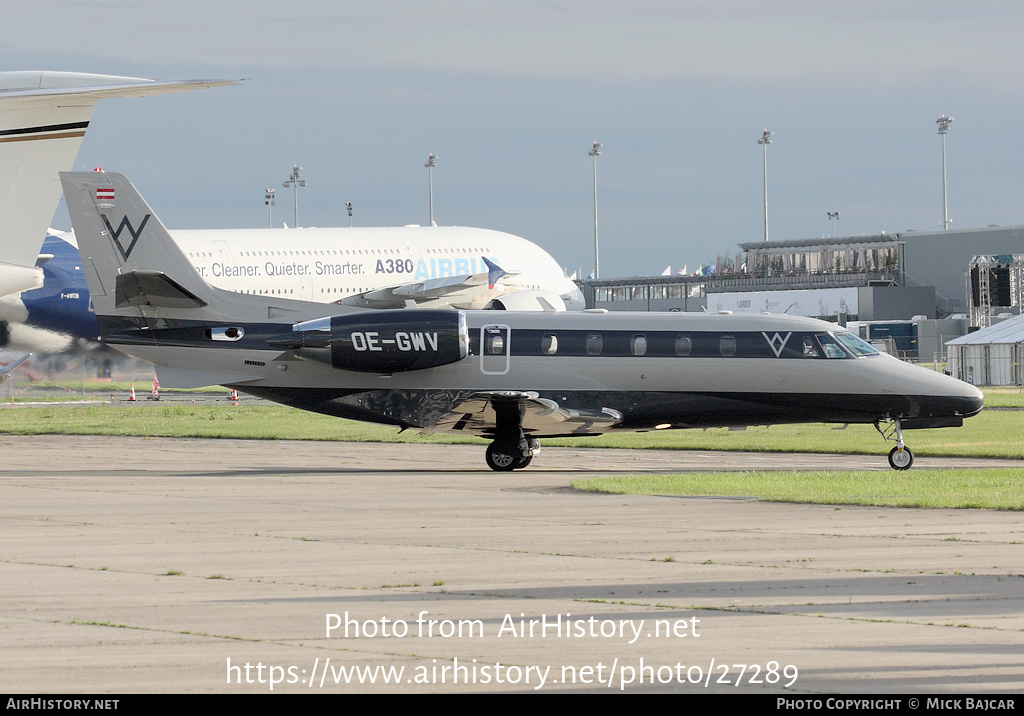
x=135, y=270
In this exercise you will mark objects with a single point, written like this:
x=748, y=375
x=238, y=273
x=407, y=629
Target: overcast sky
x=511, y=97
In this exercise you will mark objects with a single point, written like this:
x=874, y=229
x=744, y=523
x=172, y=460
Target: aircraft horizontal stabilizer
x=154, y=289
x=477, y=415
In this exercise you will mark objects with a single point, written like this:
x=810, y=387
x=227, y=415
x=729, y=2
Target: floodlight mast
x=431, y=163
x=943, y=123
x=833, y=217
x=268, y=199
x=764, y=141
x=595, y=153
x=294, y=182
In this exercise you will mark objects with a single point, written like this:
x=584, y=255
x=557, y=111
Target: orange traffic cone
x=234, y=397
x=156, y=389
x=131, y=396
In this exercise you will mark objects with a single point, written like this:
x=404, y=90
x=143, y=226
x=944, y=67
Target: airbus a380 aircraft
x=367, y=267
x=433, y=266
x=514, y=377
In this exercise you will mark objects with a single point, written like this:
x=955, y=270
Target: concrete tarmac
x=134, y=565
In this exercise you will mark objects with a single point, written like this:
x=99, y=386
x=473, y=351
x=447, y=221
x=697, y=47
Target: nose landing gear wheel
x=901, y=459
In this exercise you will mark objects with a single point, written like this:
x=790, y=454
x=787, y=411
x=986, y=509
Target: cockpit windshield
x=829, y=346
x=855, y=345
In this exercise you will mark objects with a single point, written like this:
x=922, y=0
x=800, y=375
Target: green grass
x=994, y=489
x=257, y=422
x=1003, y=398
x=990, y=434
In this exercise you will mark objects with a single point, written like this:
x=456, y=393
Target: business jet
x=514, y=377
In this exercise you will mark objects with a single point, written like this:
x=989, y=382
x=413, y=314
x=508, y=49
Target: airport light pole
x=431, y=163
x=595, y=153
x=294, y=182
x=764, y=141
x=348, y=205
x=834, y=217
x=268, y=199
x=943, y=123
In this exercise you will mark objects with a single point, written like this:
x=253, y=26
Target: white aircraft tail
x=137, y=273
x=43, y=118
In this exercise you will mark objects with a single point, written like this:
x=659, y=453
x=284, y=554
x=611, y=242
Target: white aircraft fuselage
x=347, y=265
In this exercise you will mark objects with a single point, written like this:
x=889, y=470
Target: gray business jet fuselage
x=513, y=377
x=518, y=377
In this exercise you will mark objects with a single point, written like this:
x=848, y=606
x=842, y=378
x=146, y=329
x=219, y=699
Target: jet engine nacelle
x=382, y=341
x=528, y=300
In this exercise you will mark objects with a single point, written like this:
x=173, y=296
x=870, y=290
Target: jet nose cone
x=974, y=400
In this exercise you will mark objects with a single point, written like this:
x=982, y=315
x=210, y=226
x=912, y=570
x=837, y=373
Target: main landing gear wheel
x=901, y=459
x=503, y=458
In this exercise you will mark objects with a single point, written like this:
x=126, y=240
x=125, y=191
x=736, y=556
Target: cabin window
x=683, y=345
x=638, y=346
x=595, y=344
x=495, y=344
x=549, y=344
x=810, y=350
x=727, y=346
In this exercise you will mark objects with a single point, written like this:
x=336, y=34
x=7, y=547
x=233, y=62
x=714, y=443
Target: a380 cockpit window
x=855, y=345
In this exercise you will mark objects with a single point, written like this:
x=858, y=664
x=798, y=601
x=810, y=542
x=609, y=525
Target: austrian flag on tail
x=105, y=193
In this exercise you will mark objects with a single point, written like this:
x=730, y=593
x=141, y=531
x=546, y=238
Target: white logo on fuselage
x=777, y=342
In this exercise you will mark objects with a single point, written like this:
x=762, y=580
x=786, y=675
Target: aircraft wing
x=445, y=290
x=479, y=414
x=5, y=371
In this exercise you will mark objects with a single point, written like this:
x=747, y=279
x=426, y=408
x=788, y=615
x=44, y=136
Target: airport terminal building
x=961, y=279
